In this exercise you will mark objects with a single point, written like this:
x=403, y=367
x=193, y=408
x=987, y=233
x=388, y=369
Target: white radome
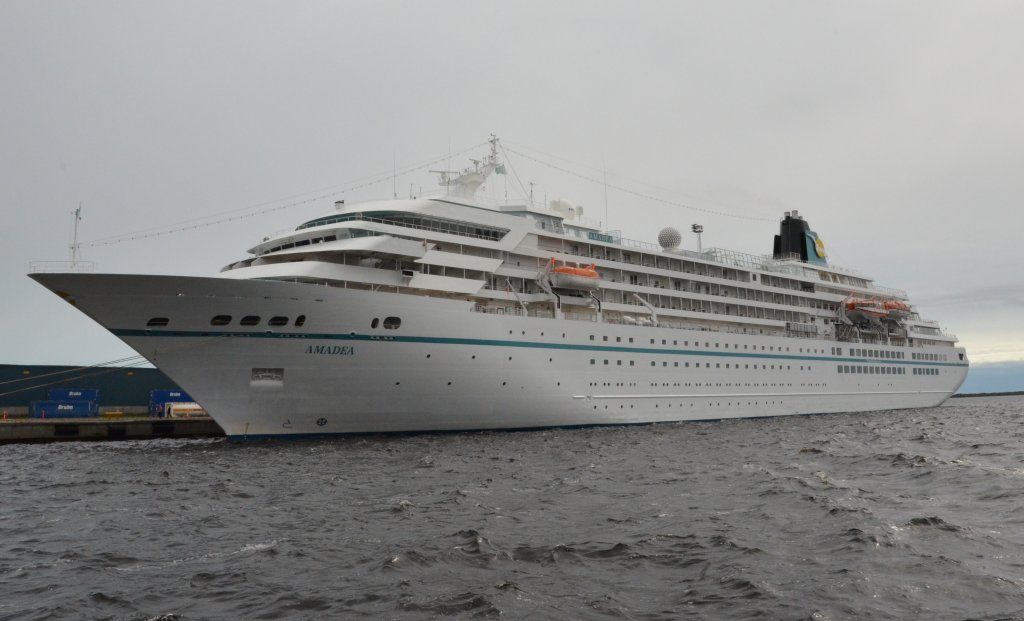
x=669, y=238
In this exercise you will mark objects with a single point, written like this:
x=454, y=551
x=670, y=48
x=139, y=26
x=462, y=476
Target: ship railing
x=62, y=267
x=516, y=311
x=277, y=234
x=792, y=263
x=899, y=293
x=580, y=317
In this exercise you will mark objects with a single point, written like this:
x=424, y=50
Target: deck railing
x=62, y=267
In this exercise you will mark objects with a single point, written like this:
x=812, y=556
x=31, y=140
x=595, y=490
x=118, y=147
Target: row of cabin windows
x=390, y=323
x=415, y=221
x=863, y=370
x=618, y=339
x=709, y=365
x=926, y=371
x=874, y=353
x=254, y=320
x=223, y=320
x=304, y=242
x=933, y=357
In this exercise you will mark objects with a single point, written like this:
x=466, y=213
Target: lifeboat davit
x=579, y=278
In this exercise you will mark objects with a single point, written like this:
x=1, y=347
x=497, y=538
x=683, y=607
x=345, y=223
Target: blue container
x=73, y=394
x=160, y=398
x=64, y=409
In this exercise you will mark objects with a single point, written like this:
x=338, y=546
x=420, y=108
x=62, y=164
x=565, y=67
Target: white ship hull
x=449, y=368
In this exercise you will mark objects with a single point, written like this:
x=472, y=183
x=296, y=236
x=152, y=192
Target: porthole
x=392, y=323
x=374, y=323
x=220, y=320
x=300, y=321
x=278, y=321
x=250, y=320
x=157, y=322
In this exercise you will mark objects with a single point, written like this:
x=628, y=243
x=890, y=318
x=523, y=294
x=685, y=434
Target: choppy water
x=912, y=514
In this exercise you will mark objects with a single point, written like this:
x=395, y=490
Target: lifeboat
x=569, y=277
x=897, y=308
x=862, y=310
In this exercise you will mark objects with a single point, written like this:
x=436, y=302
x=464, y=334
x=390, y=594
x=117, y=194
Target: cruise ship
x=453, y=313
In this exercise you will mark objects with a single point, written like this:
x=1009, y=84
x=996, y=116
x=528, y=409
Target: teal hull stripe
x=527, y=344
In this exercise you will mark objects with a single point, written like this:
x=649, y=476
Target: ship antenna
x=604, y=170
x=75, y=246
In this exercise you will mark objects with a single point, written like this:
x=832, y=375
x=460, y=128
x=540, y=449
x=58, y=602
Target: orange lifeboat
x=568, y=277
x=897, y=308
x=859, y=309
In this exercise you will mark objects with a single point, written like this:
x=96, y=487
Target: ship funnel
x=796, y=240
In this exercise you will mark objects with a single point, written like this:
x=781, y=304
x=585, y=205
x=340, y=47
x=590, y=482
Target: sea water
x=881, y=515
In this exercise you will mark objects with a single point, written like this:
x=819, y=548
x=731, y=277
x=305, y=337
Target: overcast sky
x=894, y=127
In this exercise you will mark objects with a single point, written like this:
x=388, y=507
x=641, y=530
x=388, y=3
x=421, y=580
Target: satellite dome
x=669, y=238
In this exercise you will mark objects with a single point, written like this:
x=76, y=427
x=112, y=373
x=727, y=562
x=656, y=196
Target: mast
x=465, y=183
x=75, y=246
x=604, y=171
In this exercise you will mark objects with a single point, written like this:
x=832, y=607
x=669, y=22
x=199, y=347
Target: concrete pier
x=134, y=428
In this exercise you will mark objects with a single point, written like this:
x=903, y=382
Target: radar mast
x=466, y=182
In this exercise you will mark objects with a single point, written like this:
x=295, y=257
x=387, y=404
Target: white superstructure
x=447, y=314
